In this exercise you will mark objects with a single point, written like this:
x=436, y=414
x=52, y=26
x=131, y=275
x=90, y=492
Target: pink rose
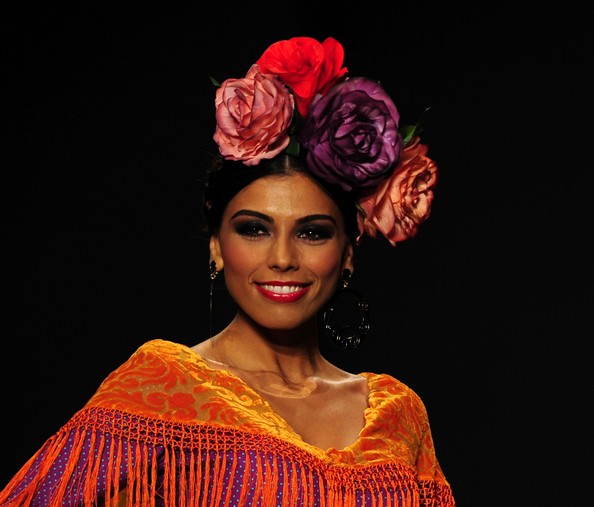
x=305, y=65
x=401, y=203
x=253, y=115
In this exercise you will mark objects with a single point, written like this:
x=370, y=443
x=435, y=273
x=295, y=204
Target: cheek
x=240, y=260
x=239, y=265
x=326, y=264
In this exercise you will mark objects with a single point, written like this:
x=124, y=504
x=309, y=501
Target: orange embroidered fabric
x=166, y=429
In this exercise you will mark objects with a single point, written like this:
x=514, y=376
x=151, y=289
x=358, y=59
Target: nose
x=283, y=255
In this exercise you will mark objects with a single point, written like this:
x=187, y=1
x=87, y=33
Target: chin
x=283, y=323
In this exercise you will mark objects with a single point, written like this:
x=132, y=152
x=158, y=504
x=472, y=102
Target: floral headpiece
x=297, y=97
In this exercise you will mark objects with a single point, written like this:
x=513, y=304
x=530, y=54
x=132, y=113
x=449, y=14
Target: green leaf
x=409, y=131
x=293, y=147
x=214, y=81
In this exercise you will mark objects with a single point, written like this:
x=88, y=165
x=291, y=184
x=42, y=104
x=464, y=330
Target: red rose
x=304, y=65
x=401, y=203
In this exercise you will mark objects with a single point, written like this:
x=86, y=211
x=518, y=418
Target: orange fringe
x=194, y=461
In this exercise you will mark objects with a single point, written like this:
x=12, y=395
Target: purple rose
x=351, y=134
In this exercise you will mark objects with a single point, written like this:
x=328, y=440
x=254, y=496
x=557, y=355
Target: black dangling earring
x=213, y=274
x=348, y=336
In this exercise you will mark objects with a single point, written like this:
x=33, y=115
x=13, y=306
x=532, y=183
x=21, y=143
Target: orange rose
x=253, y=116
x=401, y=203
x=305, y=65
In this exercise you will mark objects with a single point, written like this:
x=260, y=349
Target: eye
x=315, y=233
x=251, y=229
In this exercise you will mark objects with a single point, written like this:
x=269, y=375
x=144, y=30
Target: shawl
x=166, y=429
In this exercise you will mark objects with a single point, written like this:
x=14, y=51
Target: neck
x=291, y=354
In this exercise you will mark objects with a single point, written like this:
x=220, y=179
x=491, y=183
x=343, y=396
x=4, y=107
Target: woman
x=255, y=415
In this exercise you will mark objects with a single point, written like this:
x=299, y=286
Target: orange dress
x=166, y=429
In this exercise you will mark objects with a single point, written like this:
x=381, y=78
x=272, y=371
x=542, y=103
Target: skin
x=286, y=230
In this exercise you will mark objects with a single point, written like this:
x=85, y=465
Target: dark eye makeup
x=316, y=232
x=311, y=232
x=251, y=228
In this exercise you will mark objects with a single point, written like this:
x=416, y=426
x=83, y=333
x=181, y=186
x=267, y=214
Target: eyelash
x=315, y=233
x=251, y=229
x=310, y=233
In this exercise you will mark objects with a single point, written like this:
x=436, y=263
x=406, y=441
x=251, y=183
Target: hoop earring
x=348, y=336
x=213, y=275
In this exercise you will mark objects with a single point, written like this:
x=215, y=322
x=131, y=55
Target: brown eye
x=315, y=233
x=251, y=229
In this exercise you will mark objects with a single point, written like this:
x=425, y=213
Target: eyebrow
x=267, y=218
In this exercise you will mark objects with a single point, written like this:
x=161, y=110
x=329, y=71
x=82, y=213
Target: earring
x=346, y=278
x=213, y=274
x=348, y=336
x=213, y=270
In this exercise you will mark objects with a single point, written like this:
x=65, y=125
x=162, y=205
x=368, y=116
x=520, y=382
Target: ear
x=347, y=259
x=215, y=252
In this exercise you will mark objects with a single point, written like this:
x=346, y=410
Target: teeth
x=284, y=289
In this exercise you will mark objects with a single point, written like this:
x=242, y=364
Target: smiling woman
x=281, y=240
x=256, y=415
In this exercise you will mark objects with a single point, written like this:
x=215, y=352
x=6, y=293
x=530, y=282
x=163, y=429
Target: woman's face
x=282, y=246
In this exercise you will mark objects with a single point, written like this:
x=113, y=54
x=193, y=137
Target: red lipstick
x=282, y=292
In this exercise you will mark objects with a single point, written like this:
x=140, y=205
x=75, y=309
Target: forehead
x=286, y=195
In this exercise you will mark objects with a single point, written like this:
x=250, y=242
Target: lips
x=283, y=292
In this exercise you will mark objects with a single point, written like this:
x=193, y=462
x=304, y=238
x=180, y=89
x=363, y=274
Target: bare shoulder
x=202, y=348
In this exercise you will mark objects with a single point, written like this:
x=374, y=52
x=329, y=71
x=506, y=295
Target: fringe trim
x=153, y=462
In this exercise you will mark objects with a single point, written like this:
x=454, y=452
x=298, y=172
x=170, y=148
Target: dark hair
x=225, y=178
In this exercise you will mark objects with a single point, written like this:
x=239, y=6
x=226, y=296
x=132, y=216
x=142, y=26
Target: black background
x=486, y=313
